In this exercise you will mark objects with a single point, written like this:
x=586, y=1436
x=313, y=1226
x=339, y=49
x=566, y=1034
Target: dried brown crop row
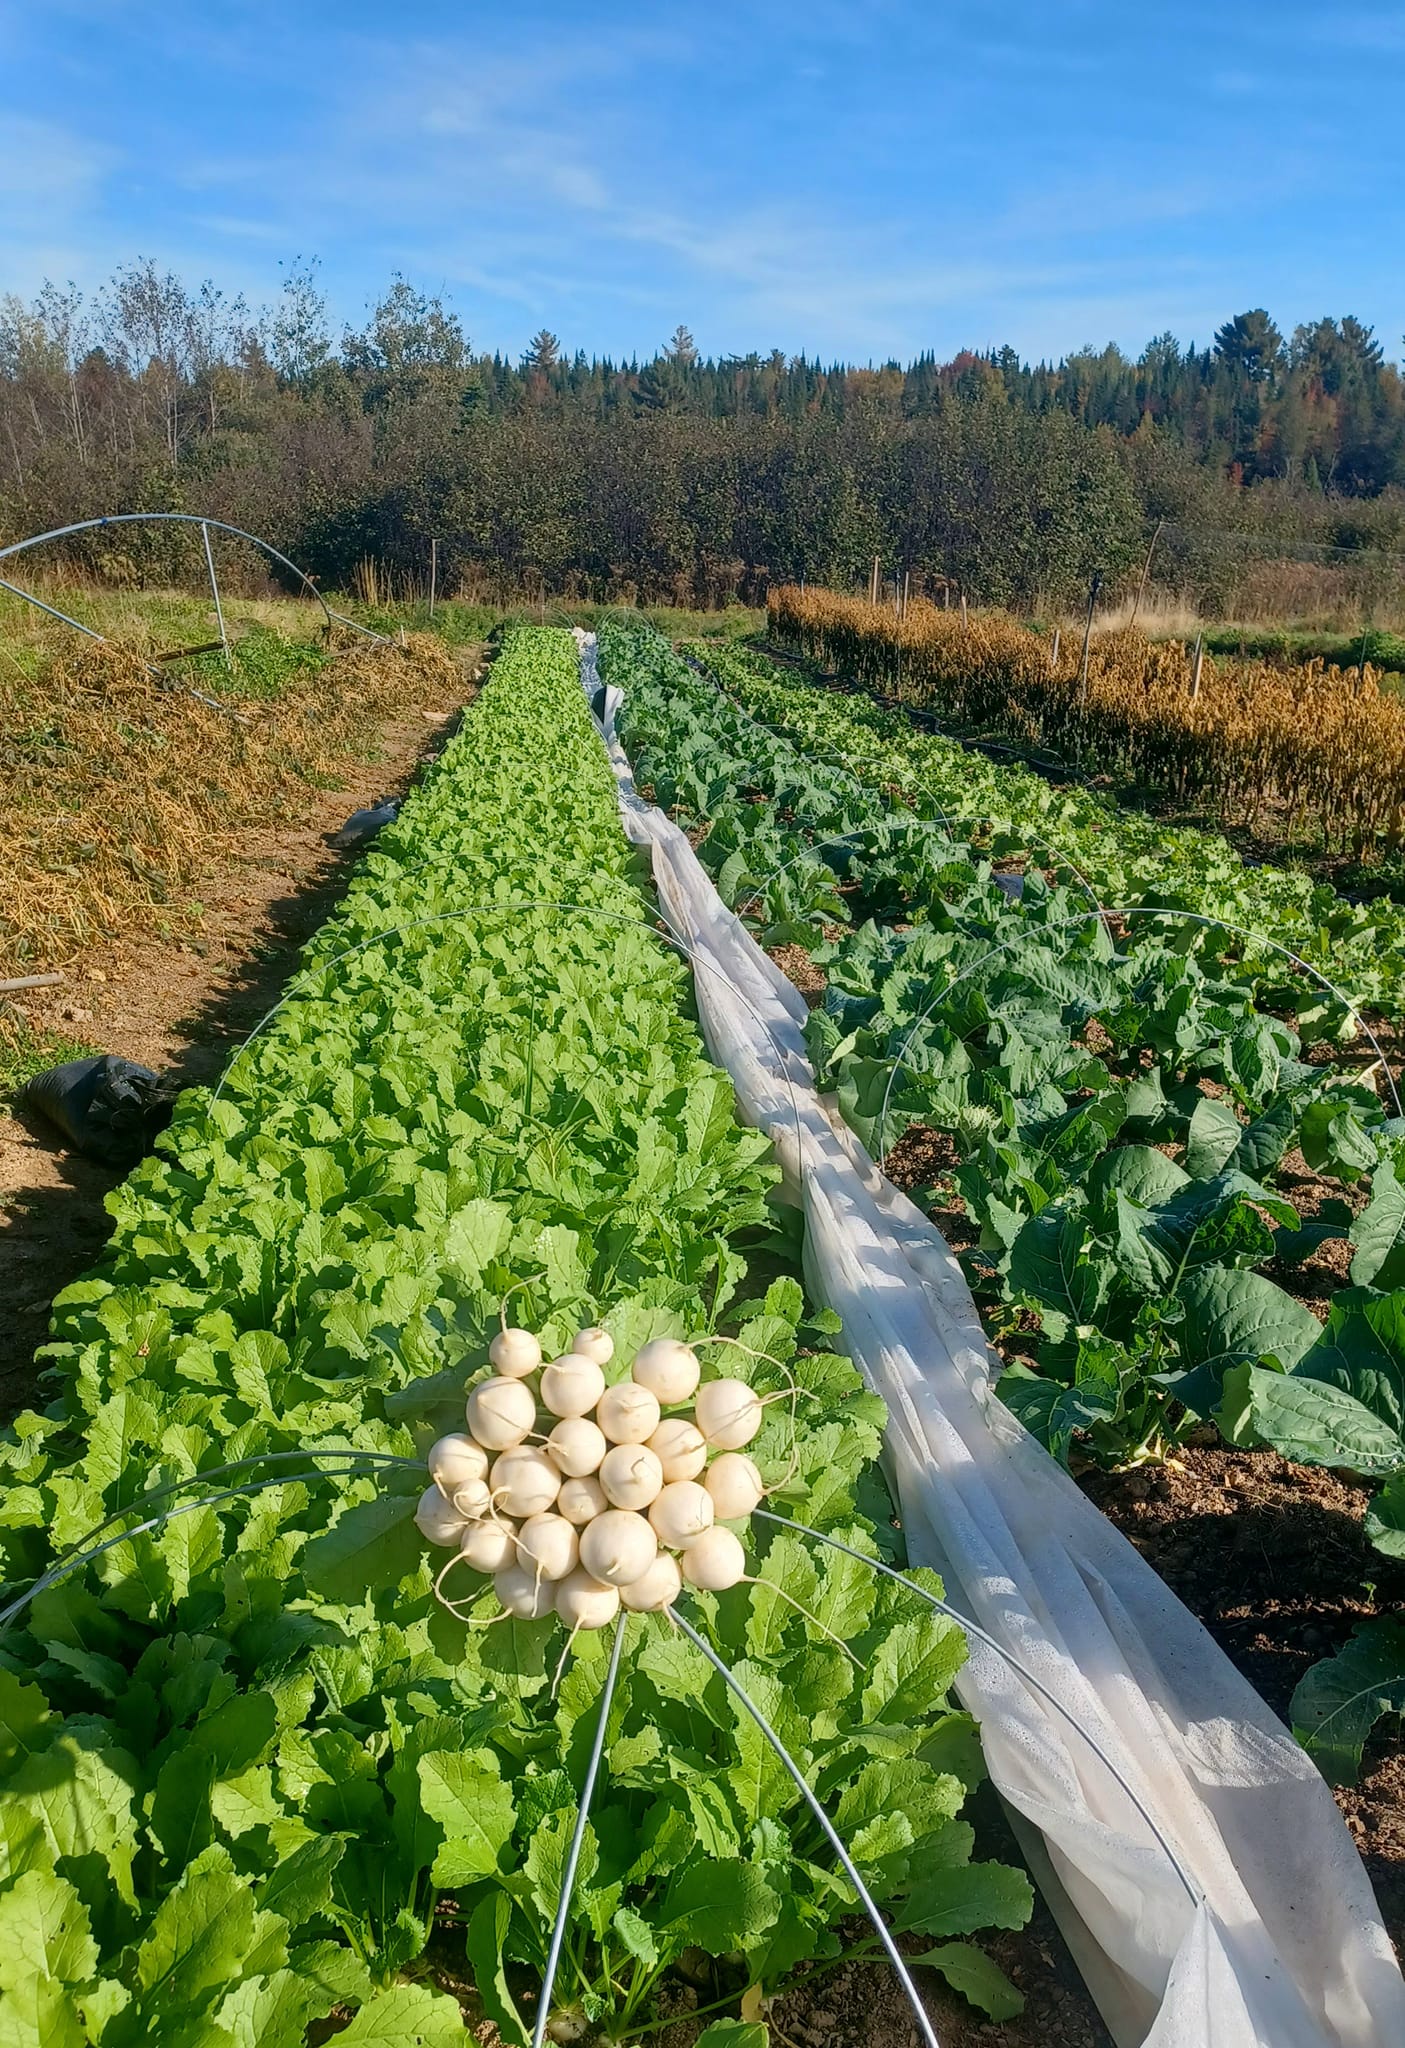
x=1324, y=748
x=117, y=791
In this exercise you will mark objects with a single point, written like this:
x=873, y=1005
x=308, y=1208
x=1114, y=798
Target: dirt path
x=178, y=1006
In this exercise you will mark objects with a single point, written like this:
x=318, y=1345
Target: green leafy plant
x=248, y=1763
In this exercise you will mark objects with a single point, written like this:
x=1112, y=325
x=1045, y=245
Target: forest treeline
x=691, y=480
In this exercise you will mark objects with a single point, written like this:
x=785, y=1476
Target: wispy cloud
x=865, y=180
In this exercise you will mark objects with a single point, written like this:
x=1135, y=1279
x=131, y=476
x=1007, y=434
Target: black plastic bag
x=362, y=826
x=109, y=1109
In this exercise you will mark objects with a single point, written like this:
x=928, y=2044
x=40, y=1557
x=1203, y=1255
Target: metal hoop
x=171, y=519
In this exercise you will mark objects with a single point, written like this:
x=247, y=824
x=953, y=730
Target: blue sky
x=864, y=179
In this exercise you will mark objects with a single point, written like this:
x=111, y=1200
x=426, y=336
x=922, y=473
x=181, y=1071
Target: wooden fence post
x=1195, y=668
x=1054, y=652
x=1093, y=588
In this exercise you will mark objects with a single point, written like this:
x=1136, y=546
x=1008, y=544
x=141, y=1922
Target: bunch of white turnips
x=578, y=1498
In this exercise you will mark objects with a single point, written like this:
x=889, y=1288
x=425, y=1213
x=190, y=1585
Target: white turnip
x=735, y=1486
x=548, y=1544
x=500, y=1413
x=571, y=1385
x=524, y=1482
x=583, y=1602
x=715, y=1561
x=577, y=1446
x=489, y=1546
x=680, y=1447
x=514, y=1353
x=668, y=1369
x=628, y=1414
x=729, y=1413
x=618, y=1548
x=681, y=1514
x=631, y=1476
x=594, y=1343
x=522, y=1593
x=438, y=1520
x=581, y=1500
x=658, y=1588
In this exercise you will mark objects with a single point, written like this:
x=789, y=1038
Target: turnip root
x=577, y=1446
x=523, y=1592
x=438, y=1520
x=514, y=1353
x=489, y=1546
x=631, y=1476
x=581, y=1500
x=668, y=1369
x=735, y=1486
x=618, y=1548
x=680, y=1447
x=548, y=1544
x=658, y=1588
x=729, y=1413
x=571, y=1385
x=500, y=1413
x=594, y=1343
x=681, y=1514
x=524, y=1482
x=714, y=1561
x=628, y=1414
x=583, y=1602
x=455, y=1460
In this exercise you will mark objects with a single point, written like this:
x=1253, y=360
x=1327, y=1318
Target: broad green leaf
x=24, y=1718
x=1048, y=1264
x=409, y=2016
x=1339, y=1702
x=372, y=1545
x=44, y=1932
x=1232, y=1318
x=1362, y=1351
x=301, y=1884
x=464, y=1791
x=976, y=1977
x=912, y=1670
x=273, y=2011
x=1213, y=1138
x=487, y=1954
x=202, y=1932
x=718, y=1906
x=1315, y=1423
x=1385, y=1518
x=1378, y=1234
x=960, y=1898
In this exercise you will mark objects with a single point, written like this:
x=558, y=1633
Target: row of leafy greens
x=251, y=1773
x=1125, y=856
x=1117, y=1100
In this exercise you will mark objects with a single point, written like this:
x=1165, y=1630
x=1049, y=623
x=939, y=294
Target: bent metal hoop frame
x=207, y=527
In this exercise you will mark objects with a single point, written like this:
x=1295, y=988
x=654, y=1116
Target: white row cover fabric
x=1278, y=1942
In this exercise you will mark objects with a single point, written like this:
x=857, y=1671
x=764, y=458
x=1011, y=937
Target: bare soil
x=1272, y=1558
x=179, y=1007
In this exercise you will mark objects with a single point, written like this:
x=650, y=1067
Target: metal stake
x=870, y=1905
x=215, y=588
x=568, y=1876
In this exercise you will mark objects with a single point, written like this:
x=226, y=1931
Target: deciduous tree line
x=680, y=478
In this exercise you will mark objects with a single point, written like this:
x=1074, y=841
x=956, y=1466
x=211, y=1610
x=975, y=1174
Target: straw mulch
x=119, y=788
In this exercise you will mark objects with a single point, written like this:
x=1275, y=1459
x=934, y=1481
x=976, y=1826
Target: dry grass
x=1324, y=748
x=118, y=788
